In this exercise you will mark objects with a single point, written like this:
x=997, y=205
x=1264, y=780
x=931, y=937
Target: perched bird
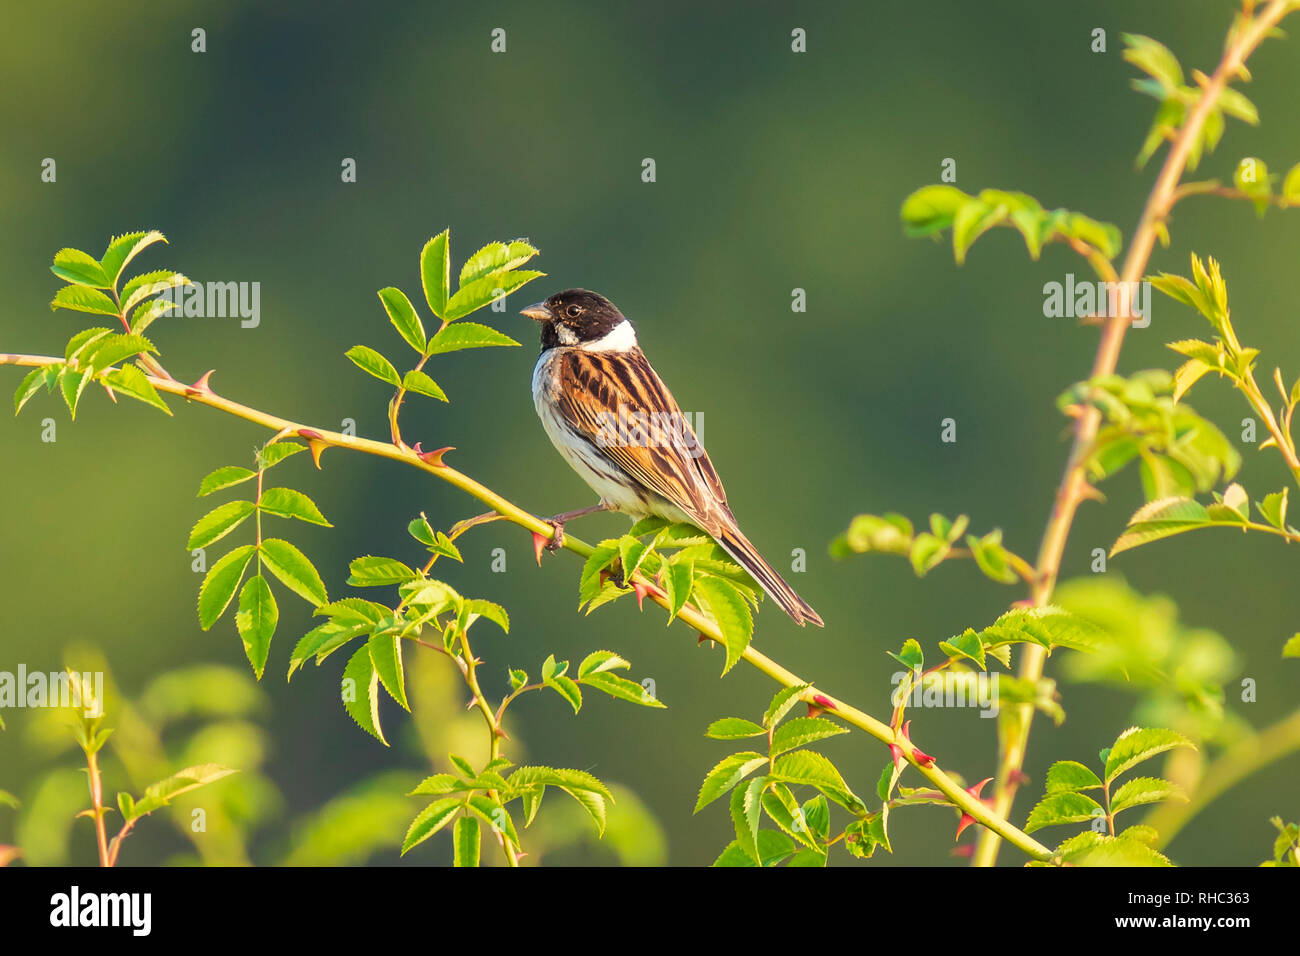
x=612, y=418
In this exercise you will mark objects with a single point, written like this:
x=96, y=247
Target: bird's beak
x=538, y=311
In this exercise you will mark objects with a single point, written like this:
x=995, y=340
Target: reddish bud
x=922, y=758
x=824, y=702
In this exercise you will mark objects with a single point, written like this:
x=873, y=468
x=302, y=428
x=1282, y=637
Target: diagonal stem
x=1074, y=484
x=320, y=438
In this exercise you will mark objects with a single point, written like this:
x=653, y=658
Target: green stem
x=1074, y=484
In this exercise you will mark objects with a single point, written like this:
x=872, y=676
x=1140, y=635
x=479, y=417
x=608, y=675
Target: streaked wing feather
x=594, y=384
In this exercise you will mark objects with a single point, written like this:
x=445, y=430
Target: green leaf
x=598, y=661
x=31, y=384
x=799, y=731
x=287, y=503
x=113, y=349
x=729, y=610
x=1138, y=744
x=1160, y=519
x=972, y=220
x=493, y=612
x=322, y=641
x=811, y=768
x=123, y=249
x=1273, y=508
x=1153, y=57
x=622, y=688
x=138, y=288
x=1061, y=808
x=219, y=522
x=910, y=655
x=220, y=583
x=726, y=774
x=734, y=728
x=991, y=557
x=435, y=269
x=746, y=813
x=129, y=380
x=73, y=265
x=496, y=257
x=481, y=292
x=678, y=580
x=430, y=820
x=1142, y=790
x=1292, y=647
x=371, y=571
x=1096, y=849
x=368, y=360
x=1069, y=776
x=466, y=335
x=931, y=209
x=277, y=452
x=416, y=381
x=360, y=691
x=783, y=701
x=566, y=688
x=294, y=570
x=162, y=793
x=402, y=314
x=224, y=478
x=386, y=656
x=256, y=621
x=79, y=298
x=72, y=384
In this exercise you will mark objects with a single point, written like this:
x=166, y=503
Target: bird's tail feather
x=739, y=547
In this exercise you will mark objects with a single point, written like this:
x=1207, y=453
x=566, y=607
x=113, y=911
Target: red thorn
x=1019, y=778
x=316, y=444
x=815, y=711
x=433, y=457
x=641, y=591
x=539, y=542
x=201, y=386
x=897, y=753
x=966, y=850
x=966, y=819
x=922, y=758
x=702, y=638
x=824, y=702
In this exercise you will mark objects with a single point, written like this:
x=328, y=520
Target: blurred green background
x=775, y=171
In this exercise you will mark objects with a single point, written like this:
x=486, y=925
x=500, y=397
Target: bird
x=615, y=422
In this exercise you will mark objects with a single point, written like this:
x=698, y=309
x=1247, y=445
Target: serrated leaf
x=138, y=288
x=730, y=612
x=80, y=298
x=734, y=728
x=32, y=383
x=361, y=693
x=218, y=523
x=1140, y=790
x=486, y=290
x=287, y=503
x=73, y=265
x=493, y=612
x=679, y=577
x=277, y=452
x=294, y=570
x=370, y=361
x=386, y=656
x=746, y=812
x=1160, y=519
x=466, y=335
x=496, y=257
x=220, y=583
x=256, y=620
x=1059, y=808
x=726, y=774
x=416, y=381
x=162, y=793
x=224, y=478
x=1138, y=744
x=402, y=314
x=1069, y=776
x=799, y=731
x=435, y=268
x=429, y=821
x=782, y=702
x=622, y=688
x=372, y=571
x=1097, y=849
x=123, y=249
x=129, y=380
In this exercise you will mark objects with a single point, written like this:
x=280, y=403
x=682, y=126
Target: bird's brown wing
x=595, y=386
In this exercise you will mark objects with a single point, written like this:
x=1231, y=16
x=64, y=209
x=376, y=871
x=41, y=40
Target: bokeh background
x=774, y=171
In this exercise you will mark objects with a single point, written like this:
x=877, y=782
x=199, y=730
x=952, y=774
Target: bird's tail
x=739, y=547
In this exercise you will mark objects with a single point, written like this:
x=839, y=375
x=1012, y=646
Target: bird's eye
x=573, y=311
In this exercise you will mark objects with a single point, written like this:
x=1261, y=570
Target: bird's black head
x=574, y=317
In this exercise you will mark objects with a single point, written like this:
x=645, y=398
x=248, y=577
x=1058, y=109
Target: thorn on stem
x=433, y=457
x=201, y=387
